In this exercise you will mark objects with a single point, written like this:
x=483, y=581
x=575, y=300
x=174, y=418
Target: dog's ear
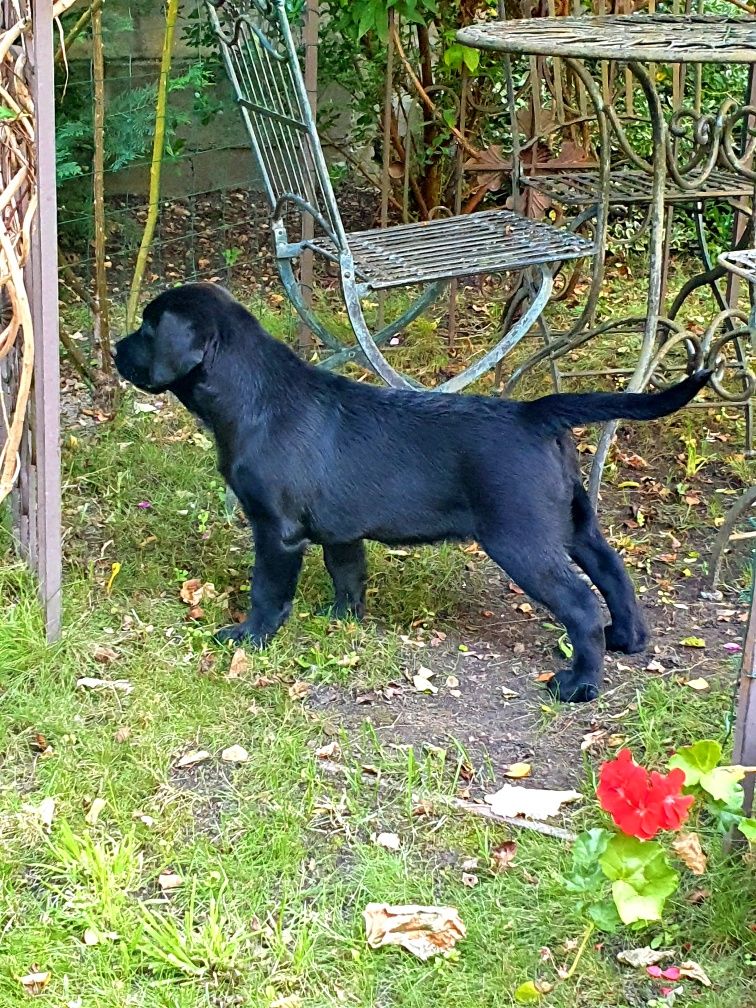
x=178, y=348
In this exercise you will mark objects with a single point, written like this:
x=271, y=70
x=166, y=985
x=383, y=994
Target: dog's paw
x=628, y=639
x=570, y=687
x=342, y=611
x=241, y=633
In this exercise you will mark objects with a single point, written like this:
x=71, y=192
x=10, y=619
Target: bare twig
x=486, y=812
x=462, y=805
x=102, y=315
x=426, y=98
x=77, y=29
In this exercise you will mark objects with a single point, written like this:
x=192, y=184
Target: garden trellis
x=29, y=375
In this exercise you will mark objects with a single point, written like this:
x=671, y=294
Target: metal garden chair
x=262, y=62
x=741, y=263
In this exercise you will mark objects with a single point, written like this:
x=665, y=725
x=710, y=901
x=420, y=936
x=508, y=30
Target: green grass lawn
x=274, y=856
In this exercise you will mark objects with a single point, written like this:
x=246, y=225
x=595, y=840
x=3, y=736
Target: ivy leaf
x=471, y=58
x=641, y=877
x=367, y=21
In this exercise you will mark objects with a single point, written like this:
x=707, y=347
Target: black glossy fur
x=314, y=457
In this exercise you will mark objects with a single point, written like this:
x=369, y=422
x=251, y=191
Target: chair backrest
x=262, y=61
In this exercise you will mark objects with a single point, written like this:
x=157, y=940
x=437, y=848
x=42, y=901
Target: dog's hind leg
x=589, y=549
x=544, y=572
x=346, y=564
x=274, y=580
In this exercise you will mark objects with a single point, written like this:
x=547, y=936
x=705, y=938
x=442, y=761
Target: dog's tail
x=555, y=413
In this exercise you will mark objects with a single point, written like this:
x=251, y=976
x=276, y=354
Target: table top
x=642, y=38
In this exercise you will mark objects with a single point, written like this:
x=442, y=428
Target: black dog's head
x=178, y=328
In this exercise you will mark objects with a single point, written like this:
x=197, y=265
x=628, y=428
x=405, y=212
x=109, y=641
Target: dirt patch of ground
x=498, y=648
x=503, y=714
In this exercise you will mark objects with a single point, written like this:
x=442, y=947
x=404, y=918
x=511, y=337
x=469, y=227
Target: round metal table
x=717, y=160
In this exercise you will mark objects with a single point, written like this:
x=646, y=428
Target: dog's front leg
x=274, y=579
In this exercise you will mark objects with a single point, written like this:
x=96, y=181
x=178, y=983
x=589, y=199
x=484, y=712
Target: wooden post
x=745, y=721
x=43, y=282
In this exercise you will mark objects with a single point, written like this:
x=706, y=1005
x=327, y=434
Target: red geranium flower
x=641, y=803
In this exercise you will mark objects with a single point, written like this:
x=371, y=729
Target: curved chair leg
x=294, y=294
x=723, y=536
x=599, y=459
x=418, y=306
x=380, y=365
x=373, y=355
x=509, y=340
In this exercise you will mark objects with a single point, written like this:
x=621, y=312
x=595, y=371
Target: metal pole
x=43, y=267
x=311, y=30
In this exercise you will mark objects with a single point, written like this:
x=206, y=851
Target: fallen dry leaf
x=645, y=956
x=425, y=931
x=688, y=848
x=142, y=817
x=502, y=856
x=239, y=664
x=235, y=754
x=195, y=591
x=693, y=971
x=34, y=983
x=331, y=750
x=518, y=770
x=122, y=733
x=545, y=676
x=118, y=685
x=422, y=681
x=693, y=642
x=191, y=759
x=533, y=803
x=104, y=655
x=698, y=896
x=299, y=689
x=593, y=738
x=698, y=684
x=206, y=663
x=94, y=811
x=388, y=840
x=43, y=812
x=168, y=881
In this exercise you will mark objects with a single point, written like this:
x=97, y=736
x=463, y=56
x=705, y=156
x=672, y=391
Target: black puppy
x=314, y=457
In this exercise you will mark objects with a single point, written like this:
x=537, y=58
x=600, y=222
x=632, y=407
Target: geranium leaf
x=589, y=847
x=604, y=915
x=641, y=877
x=696, y=760
x=586, y=875
x=722, y=784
